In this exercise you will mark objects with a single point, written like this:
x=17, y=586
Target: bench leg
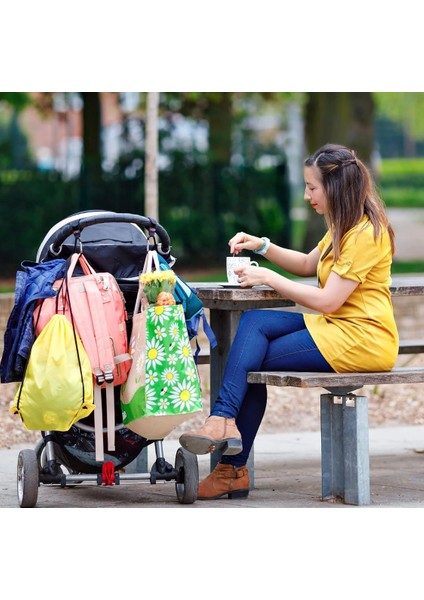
x=345, y=448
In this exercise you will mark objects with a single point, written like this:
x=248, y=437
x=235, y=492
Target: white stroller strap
x=110, y=414
x=98, y=424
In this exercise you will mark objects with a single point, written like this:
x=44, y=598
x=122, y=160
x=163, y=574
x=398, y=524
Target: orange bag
x=95, y=305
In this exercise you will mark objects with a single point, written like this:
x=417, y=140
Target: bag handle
x=85, y=265
x=141, y=301
x=151, y=263
x=152, y=260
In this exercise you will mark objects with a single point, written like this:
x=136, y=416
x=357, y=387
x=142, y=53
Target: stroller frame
x=50, y=463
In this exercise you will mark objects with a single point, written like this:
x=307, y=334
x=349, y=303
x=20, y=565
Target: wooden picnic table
x=226, y=304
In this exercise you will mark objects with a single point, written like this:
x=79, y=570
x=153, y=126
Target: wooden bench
x=411, y=346
x=344, y=424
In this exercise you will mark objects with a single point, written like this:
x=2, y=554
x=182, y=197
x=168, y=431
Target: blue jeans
x=266, y=340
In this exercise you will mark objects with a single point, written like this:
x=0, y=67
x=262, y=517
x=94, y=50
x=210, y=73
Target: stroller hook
x=78, y=242
x=151, y=234
x=55, y=252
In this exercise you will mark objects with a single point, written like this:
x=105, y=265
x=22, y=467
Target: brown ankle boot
x=225, y=479
x=218, y=433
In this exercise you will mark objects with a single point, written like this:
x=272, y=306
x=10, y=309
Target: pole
x=151, y=204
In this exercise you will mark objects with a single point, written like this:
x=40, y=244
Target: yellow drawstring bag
x=57, y=390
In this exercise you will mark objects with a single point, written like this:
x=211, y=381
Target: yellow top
x=361, y=335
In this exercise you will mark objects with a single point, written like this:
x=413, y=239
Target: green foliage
x=403, y=197
x=14, y=149
x=203, y=205
x=404, y=108
x=402, y=182
x=30, y=204
x=402, y=170
x=18, y=100
x=200, y=206
x=408, y=266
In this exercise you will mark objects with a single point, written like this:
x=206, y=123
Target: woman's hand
x=251, y=275
x=244, y=241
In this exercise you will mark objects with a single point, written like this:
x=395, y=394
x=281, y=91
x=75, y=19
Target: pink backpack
x=95, y=305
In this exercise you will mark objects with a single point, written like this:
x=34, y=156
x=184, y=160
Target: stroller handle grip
x=80, y=223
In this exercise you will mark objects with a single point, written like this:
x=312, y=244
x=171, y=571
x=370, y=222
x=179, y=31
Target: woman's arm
x=324, y=300
x=292, y=261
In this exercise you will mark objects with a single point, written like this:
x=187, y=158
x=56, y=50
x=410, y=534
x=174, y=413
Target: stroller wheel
x=188, y=476
x=28, y=479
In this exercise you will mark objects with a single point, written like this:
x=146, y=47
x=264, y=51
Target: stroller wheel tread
x=187, y=465
x=28, y=478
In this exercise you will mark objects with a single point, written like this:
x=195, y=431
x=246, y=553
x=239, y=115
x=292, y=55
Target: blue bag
x=193, y=308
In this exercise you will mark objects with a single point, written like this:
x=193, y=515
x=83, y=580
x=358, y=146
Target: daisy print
x=139, y=363
x=160, y=332
x=191, y=374
x=155, y=354
x=174, y=330
x=170, y=376
x=151, y=400
x=163, y=406
x=152, y=377
x=185, y=352
x=184, y=396
x=159, y=314
x=172, y=359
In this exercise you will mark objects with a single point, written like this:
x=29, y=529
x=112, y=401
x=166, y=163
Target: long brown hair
x=350, y=192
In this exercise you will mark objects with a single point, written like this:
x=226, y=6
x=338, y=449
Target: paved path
x=409, y=230
x=287, y=475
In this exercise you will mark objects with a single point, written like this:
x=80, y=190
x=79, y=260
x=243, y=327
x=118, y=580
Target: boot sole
x=231, y=495
x=197, y=444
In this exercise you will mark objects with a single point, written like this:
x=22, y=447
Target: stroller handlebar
x=79, y=223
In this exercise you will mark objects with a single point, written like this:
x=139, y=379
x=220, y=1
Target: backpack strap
x=208, y=331
x=110, y=416
x=98, y=424
x=98, y=420
x=102, y=346
x=101, y=357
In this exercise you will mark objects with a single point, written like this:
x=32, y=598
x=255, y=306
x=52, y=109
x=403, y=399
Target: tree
x=407, y=110
x=91, y=160
x=342, y=118
x=14, y=149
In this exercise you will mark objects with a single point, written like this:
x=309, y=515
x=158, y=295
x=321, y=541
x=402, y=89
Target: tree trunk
x=91, y=160
x=339, y=118
x=220, y=128
x=361, y=131
x=151, y=204
x=220, y=145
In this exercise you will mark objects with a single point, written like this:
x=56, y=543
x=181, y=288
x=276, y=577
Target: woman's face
x=314, y=191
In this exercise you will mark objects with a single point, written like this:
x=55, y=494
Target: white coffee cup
x=235, y=262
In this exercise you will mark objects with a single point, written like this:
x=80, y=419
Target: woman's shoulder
x=363, y=235
x=365, y=228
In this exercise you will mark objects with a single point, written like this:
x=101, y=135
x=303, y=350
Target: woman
x=352, y=327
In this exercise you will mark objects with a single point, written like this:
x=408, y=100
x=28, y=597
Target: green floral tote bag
x=163, y=387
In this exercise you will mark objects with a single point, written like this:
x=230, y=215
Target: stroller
x=115, y=243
